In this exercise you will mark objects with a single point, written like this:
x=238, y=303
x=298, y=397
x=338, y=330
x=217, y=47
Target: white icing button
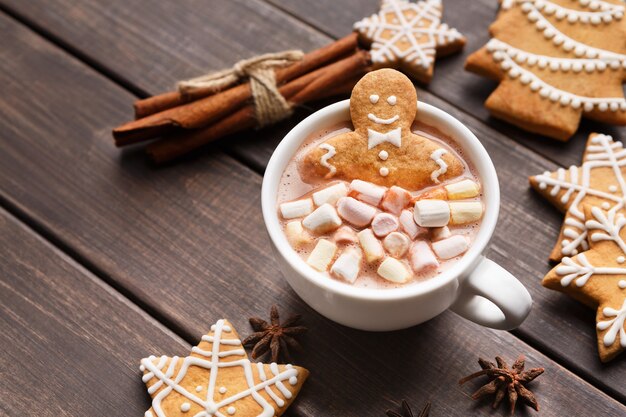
x=620, y=259
x=222, y=390
x=383, y=155
x=199, y=388
x=231, y=410
x=184, y=407
x=293, y=380
x=613, y=188
x=384, y=171
x=391, y=100
x=622, y=284
x=142, y=368
x=606, y=205
x=374, y=99
x=603, y=106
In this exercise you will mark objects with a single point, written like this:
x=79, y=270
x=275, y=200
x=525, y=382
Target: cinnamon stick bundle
x=204, y=111
x=321, y=83
x=311, y=61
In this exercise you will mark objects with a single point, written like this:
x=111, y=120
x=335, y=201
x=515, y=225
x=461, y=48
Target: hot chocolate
x=382, y=201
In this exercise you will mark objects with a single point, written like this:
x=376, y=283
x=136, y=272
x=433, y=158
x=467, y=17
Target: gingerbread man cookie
x=597, y=277
x=556, y=61
x=382, y=149
x=408, y=36
x=217, y=379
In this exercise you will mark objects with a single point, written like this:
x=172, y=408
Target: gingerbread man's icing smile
x=382, y=148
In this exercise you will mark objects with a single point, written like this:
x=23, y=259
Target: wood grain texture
x=164, y=235
x=451, y=82
x=153, y=46
x=71, y=345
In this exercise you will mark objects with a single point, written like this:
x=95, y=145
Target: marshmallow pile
x=395, y=232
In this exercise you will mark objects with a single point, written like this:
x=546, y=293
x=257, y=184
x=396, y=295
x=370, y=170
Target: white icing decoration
x=199, y=388
x=622, y=284
x=168, y=382
x=601, y=152
x=380, y=121
x=607, y=13
x=231, y=410
x=375, y=138
x=508, y=55
x=184, y=407
x=615, y=325
x=424, y=31
x=223, y=390
x=383, y=155
x=443, y=167
x=329, y=154
x=620, y=259
x=392, y=100
x=384, y=171
x=374, y=98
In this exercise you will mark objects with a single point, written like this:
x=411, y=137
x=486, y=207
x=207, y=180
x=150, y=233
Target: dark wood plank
x=189, y=235
x=71, y=345
x=451, y=82
x=153, y=46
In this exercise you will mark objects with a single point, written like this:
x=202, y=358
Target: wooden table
x=105, y=260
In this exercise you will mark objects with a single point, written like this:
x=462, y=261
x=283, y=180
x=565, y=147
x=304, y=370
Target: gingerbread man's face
x=382, y=101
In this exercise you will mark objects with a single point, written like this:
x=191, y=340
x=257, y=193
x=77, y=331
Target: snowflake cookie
x=597, y=277
x=556, y=61
x=382, y=149
x=217, y=379
x=599, y=182
x=408, y=36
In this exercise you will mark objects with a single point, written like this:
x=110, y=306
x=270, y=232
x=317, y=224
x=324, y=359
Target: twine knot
x=269, y=105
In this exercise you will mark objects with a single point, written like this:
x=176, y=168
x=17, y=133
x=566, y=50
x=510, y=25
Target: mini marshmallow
x=384, y=223
x=296, y=235
x=451, y=247
x=348, y=265
x=298, y=208
x=322, y=255
x=431, y=213
x=395, y=200
x=371, y=246
x=463, y=212
x=422, y=257
x=367, y=192
x=439, y=233
x=408, y=225
x=345, y=234
x=393, y=270
x=322, y=220
x=438, y=193
x=355, y=212
x=330, y=194
x=462, y=189
x=396, y=244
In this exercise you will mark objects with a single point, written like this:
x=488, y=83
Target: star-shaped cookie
x=217, y=379
x=599, y=182
x=597, y=277
x=556, y=62
x=408, y=36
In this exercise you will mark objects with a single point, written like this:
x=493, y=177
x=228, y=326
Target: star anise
x=407, y=412
x=506, y=381
x=274, y=337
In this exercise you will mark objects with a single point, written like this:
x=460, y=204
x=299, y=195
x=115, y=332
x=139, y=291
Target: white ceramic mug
x=474, y=287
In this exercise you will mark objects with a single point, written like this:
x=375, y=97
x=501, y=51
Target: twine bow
x=269, y=105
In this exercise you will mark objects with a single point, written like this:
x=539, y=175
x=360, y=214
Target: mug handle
x=492, y=297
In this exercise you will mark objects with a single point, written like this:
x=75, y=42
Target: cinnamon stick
x=311, y=61
x=310, y=87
